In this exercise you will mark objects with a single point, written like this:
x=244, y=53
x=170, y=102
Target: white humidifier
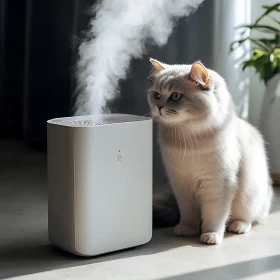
x=100, y=183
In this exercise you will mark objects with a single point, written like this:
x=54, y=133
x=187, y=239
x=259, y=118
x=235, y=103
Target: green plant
x=265, y=57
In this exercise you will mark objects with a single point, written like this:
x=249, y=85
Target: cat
x=216, y=162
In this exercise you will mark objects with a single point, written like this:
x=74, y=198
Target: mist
x=119, y=31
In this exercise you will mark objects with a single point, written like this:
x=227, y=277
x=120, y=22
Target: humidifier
x=100, y=183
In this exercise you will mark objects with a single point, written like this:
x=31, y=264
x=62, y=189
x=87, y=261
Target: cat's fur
x=216, y=162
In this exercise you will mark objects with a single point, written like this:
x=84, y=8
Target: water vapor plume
x=118, y=32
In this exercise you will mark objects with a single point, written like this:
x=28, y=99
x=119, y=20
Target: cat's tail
x=267, y=205
x=268, y=201
x=165, y=209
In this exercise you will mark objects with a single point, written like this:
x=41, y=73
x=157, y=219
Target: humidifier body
x=100, y=183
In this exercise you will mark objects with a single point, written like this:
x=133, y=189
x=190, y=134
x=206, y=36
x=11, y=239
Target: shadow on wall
x=233, y=271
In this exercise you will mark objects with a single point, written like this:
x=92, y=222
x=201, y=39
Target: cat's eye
x=175, y=96
x=156, y=95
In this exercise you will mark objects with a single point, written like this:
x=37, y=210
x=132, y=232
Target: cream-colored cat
x=216, y=162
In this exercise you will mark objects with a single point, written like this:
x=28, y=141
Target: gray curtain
x=37, y=53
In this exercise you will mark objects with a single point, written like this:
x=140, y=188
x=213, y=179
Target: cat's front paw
x=185, y=230
x=240, y=227
x=211, y=238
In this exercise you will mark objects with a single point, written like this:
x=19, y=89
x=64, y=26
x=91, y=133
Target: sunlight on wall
x=257, y=87
x=228, y=15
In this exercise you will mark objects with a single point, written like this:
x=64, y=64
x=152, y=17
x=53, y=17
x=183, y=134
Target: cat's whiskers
x=170, y=134
x=185, y=147
x=191, y=143
x=148, y=114
x=194, y=136
x=188, y=138
x=179, y=135
x=168, y=130
x=197, y=147
x=173, y=138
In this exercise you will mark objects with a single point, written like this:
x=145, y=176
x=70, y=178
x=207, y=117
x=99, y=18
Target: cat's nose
x=159, y=106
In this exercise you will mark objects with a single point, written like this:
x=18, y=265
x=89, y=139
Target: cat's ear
x=157, y=66
x=199, y=74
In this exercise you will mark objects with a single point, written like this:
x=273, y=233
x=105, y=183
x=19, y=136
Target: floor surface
x=26, y=254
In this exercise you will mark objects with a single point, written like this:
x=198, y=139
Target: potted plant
x=265, y=58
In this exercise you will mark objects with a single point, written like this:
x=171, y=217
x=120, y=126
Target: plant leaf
x=261, y=43
x=274, y=19
x=273, y=99
x=257, y=53
x=277, y=52
x=269, y=9
x=247, y=63
x=263, y=27
x=266, y=51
